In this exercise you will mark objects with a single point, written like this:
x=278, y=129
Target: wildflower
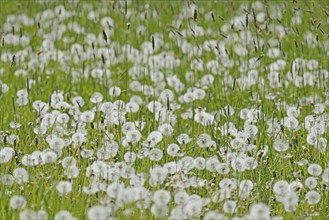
x=15, y=125
x=138, y=180
x=273, y=52
x=21, y=175
x=97, y=212
x=132, y=107
x=188, y=97
x=325, y=176
x=71, y=172
x=318, y=128
x=48, y=156
x=17, y=202
x=96, y=73
x=212, y=163
x=293, y=112
x=161, y=197
x=221, y=195
x=6, y=154
x=290, y=201
x=309, y=122
x=3, y=87
x=183, y=138
x=157, y=77
x=127, y=172
x=312, y=197
x=64, y=187
x=105, y=153
x=153, y=138
x=166, y=129
x=199, y=94
x=22, y=97
x=227, y=183
x=259, y=211
x=203, y=117
x=251, y=131
x=318, y=108
x=158, y=174
x=280, y=145
x=159, y=211
x=36, y=158
x=229, y=206
x=296, y=186
x=245, y=113
x=96, y=98
x=181, y=197
x=155, y=154
x=207, y=80
x=78, y=139
x=128, y=126
x=193, y=208
x=281, y=187
x=133, y=136
x=322, y=144
x=56, y=143
x=200, y=163
x=175, y=82
x=166, y=96
x=136, y=99
x=189, y=76
x=311, y=182
x=143, y=152
x=135, y=86
x=187, y=114
x=113, y=174
x=173, y=150
x=203, y=140
x=246, y=185
x=130, y=157
x=291, y=123
x=78, y=101
x=312, y=139
x=87, y=116
x=314, y=169
x=238, y=143
x=64, y=215
x=250, y=163
x=62, y=118
x=7, y=179
x=171, y=167
x=154, y=106
x=40, y=106
x=30, y=214
x=115, y=91
x=56, y=98
x=86, y=153
x=48, y=119
x=214, y=215
x=223, y=168
x=238, y=164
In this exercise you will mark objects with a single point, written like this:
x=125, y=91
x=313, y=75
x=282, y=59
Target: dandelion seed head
x=64, y=187
x=63, y=214
x=17, y=202
x=21, y=175
x=312, y=197
x=259, y=211
x=7, y=179
x=314, y=169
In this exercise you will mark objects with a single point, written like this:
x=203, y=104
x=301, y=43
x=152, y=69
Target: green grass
x=40, y=192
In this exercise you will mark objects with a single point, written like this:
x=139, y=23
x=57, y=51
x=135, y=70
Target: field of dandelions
x=164, y=110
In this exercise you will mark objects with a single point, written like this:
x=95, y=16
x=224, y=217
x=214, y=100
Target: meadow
x=164, y=110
